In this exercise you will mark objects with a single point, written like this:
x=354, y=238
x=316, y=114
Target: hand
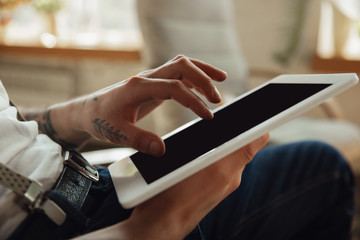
x=175, y=212
x=111, y=113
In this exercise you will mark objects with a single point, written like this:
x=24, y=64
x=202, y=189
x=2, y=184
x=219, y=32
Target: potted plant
x=49, y=8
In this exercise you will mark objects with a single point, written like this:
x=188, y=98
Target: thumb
x=144, y=141
x=252, y=148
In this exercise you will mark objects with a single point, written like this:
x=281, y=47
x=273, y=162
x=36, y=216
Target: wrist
x=66, y=120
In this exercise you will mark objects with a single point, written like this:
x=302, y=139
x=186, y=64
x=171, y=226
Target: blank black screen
x=229, y=122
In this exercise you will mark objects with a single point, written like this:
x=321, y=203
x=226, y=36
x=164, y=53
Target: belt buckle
x=79, y=163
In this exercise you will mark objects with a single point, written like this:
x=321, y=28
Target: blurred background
x=53, y=50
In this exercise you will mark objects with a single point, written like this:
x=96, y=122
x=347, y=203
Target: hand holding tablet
x=200, y=143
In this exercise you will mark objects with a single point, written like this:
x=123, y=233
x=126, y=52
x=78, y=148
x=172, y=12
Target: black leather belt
x=72, y=187
x=76, y=178
x=74, y=184
x=50, y=210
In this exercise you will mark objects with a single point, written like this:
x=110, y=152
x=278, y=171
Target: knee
x=321, y=158
x=322, y=155
x=307, y=158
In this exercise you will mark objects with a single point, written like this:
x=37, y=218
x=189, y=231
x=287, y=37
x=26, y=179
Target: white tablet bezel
x=132, y=189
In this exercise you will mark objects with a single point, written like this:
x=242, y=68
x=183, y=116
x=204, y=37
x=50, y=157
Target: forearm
x=110, y=114
x=59, y=122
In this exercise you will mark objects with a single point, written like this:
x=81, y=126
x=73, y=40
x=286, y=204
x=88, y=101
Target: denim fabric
x=296, y=191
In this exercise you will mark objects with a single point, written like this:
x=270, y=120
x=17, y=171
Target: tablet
x=200, y=143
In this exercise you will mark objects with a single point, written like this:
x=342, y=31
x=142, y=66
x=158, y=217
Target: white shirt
x=25, y=151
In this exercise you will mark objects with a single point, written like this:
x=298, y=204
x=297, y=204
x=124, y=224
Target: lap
x=284, y=191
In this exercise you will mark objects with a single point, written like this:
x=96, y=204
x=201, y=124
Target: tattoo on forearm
x=105, y=129
x=31, y=115
x=46, y=127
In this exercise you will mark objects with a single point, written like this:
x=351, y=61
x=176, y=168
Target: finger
x=143, y=141
x=230, y=168
x=184, y=69
x=168, y=89
x=198, y=78
x=187, y=84
x=215, y=73
x=124, y=133
x=245, y=154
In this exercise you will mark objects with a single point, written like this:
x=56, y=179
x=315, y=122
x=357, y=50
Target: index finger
x=210, y=70
x=195, y=72
x=188, y=71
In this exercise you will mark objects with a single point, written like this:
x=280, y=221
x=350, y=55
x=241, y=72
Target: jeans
x=296, y=191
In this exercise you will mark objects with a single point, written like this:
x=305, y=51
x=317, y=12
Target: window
x=339, y=30
x=86, y=24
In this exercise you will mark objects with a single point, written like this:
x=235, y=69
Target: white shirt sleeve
x=28, y=153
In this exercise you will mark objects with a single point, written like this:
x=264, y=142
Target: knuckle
x=137, y=141
x=230, y=180
x=179, y=56
x=182, y=60
x=135, y=80
x=176, y=84
x=233, y=185
x=249, y=153
x=146, y=73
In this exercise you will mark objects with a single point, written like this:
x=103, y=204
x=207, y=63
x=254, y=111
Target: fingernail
x=210, y=113
x=205, y=112
x=155, y=148
x=217, y=93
